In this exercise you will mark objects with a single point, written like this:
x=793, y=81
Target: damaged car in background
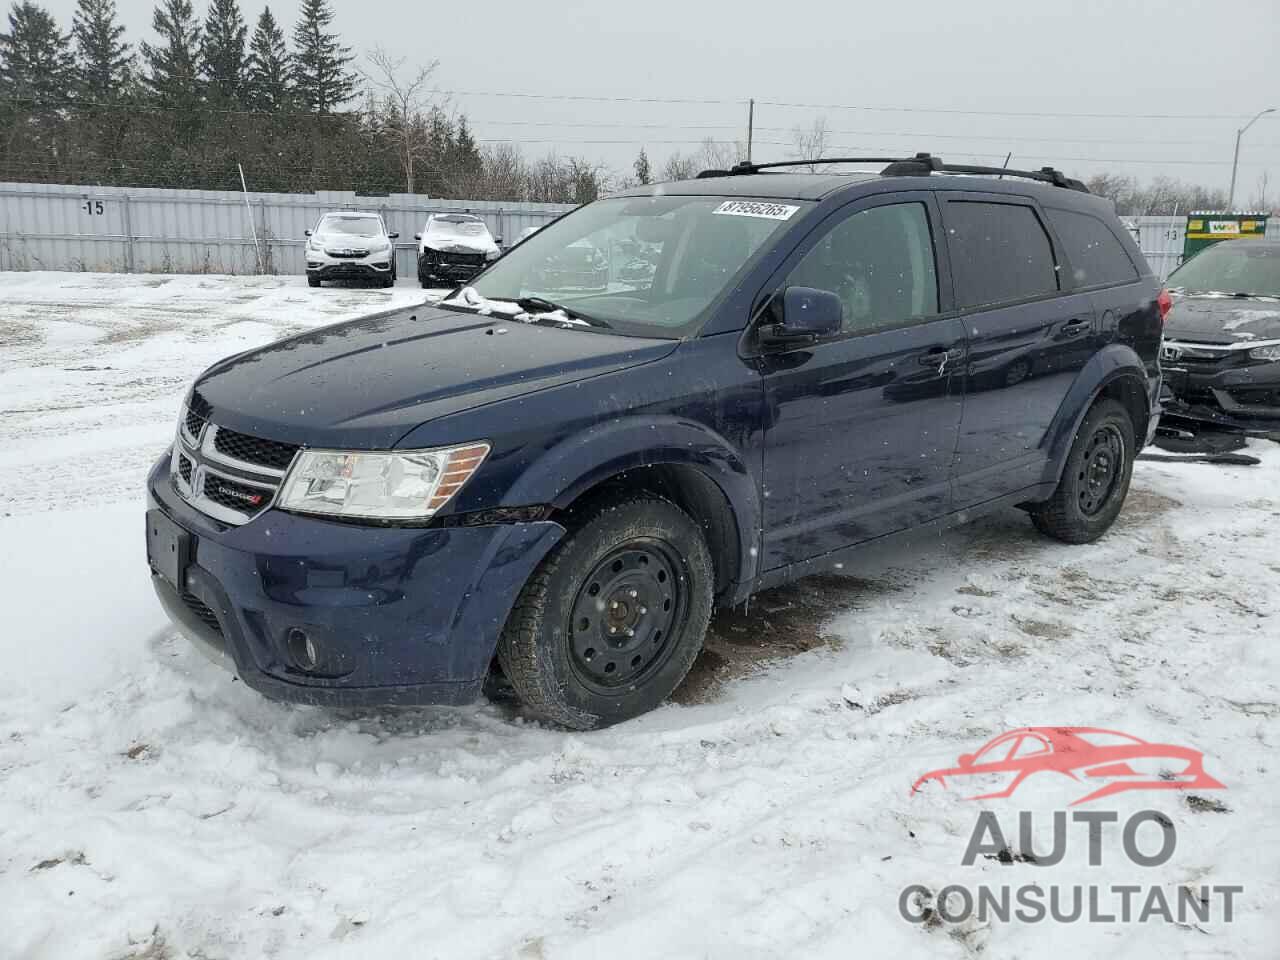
x=453, y=248
x=1221, y=351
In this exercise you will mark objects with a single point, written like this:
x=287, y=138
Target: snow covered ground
x=152, y=807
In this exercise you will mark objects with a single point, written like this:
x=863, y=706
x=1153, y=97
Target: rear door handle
x=1076, y=326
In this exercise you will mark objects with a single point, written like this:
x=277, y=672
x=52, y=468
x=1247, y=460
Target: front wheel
x=611, y=622
x=313, y=281
x=1095, y=480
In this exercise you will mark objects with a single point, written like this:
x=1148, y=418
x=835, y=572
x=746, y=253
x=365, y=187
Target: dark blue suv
x=555, y=486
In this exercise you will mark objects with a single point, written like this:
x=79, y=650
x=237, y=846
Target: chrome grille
x=224, y=474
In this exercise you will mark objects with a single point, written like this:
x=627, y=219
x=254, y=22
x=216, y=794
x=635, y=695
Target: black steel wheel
x=1095, y=479
x=1100, y=468
x=611, y=621
x=628, y=614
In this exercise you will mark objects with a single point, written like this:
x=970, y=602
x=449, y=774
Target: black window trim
x=1060, y=262
x=749, y=347
x=1090, y=287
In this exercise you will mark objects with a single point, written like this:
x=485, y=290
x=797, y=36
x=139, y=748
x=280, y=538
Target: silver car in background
x=351, y=245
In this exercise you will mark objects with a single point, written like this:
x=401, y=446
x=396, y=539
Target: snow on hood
x=1222, y=319
x=450, y=237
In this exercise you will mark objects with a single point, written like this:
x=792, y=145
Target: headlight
x=493, y=254
x=380, y=246
x=1265, y=353
x=401, y=485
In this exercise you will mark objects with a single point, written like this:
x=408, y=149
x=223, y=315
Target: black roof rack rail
x=922, y=164
x=745, y=167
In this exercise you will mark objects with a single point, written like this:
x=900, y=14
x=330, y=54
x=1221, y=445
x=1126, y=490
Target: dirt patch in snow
x=776, y=623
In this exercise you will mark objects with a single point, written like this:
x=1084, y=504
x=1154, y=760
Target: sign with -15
x=92, y=207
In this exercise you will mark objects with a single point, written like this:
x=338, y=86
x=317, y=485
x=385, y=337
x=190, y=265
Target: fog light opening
x=303, y=649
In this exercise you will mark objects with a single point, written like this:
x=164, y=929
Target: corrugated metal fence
x=138, y=230
x=125, y=229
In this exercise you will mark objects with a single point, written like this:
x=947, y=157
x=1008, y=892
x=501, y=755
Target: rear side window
x=999, y=252
x=1096, y=255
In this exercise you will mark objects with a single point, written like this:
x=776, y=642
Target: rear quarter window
x=1096, y=255
x=1000, y=252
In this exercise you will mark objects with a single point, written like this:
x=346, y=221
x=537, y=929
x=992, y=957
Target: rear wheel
x=612, y=620
x=1095, y=480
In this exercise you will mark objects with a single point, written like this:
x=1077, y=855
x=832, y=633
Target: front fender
x=1110, y=364
x=578, y=463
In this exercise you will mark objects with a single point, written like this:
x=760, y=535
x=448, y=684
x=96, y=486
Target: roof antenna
x=1005, y=166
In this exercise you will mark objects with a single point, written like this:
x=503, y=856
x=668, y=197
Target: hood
x=347, y=240
x=449, y=241
x=1222, y=319
x=365, y=383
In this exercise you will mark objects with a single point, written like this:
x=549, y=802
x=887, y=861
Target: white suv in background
x=351, y=245
x=453, y=248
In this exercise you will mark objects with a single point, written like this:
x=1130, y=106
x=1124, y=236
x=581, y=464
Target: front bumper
x=337, y=268
x=433, y=265
x=1247, y=391
x=399, y=615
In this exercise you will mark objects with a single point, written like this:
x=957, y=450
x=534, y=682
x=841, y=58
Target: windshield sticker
x=754, y=208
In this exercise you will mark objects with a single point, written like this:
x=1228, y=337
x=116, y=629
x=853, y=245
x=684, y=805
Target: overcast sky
x=968, y=81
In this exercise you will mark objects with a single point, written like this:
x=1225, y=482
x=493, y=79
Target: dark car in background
x=1221, y=354
x=556, y=488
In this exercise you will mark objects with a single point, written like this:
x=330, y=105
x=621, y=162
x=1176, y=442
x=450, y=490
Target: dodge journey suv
x=554, y=488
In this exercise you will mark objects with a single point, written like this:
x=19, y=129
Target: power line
x=1009, y=113
x=707, y=101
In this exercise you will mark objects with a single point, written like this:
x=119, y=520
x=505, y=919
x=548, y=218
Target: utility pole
x=1235, y=162
x=751, y=119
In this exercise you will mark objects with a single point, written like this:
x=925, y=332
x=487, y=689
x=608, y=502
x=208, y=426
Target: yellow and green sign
x=1206, y=228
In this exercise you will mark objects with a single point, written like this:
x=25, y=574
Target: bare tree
x=680, y=167
x=810, y=144
x=720, y=154
x=1261, y=198
x=406, y=99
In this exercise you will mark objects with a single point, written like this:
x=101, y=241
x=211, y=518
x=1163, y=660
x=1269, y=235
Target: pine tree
x=173, y=65
x=222, y=55
x=644, y=174
x=104, y=62
x=466, y=153
x=320, y=75
x=268, y=66
x=35, y=59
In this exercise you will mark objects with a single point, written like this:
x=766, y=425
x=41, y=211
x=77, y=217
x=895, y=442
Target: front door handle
x=938, y=357
x=1076, y=326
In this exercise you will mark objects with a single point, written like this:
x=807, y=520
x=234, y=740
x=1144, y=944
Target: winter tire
x=1095, y=479
x=610, y=623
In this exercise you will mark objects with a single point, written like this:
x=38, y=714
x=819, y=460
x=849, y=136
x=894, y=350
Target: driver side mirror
x=807, y=316
x=306, y=233
x=417, y=236
x=394, y=236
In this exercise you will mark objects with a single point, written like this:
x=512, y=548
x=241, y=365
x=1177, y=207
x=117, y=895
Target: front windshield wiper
x=541, y=305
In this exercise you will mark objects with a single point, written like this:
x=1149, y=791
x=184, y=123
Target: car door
x=1028, y=336
x=860, y=429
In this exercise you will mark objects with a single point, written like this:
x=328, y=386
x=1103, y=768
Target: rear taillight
x=1164, y=303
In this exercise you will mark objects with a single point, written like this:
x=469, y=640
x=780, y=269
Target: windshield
x=351, y=226
x=456, y=227
x=644, y=265
x=1232, y=267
